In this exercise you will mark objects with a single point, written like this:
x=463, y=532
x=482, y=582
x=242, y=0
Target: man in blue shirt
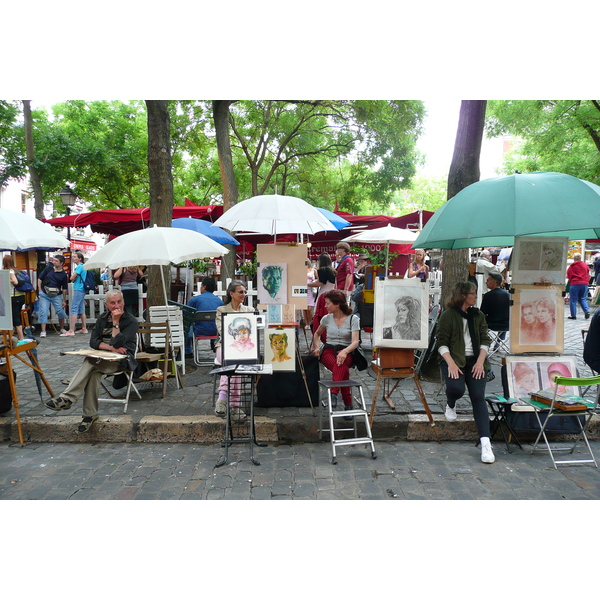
x=206, y=300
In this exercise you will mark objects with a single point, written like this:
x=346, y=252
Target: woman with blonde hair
x=418, y=268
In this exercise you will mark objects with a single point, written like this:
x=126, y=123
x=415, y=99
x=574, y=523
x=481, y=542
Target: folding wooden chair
x=130, y=386
x=158, y=335
x=559, y=407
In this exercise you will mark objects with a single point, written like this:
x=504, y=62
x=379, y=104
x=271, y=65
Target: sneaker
x=86, y=424
x=82, y=331
x=63, y=331
x=220, y=408
x=237, y=414
x=573, y=318
x=487, y=456
x=450, y=414
x=587, y=315
x=42, y=334
x=58, y=403
x=67, y=333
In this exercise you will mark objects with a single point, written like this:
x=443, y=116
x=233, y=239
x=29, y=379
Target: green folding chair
x=582, y=416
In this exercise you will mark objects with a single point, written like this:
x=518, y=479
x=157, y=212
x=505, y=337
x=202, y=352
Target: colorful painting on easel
x=240, y=338
x=272, y=283
x=280, y=348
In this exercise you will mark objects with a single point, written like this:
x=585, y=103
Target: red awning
x=123, y=220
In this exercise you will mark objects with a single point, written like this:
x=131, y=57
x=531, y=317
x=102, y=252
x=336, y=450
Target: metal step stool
x=356, y=414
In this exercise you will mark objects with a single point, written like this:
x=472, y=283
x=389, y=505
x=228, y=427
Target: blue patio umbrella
x=336, y=220
x=204, y=227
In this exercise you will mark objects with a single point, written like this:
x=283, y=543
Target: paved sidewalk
x=402, y=471
x=195, y=399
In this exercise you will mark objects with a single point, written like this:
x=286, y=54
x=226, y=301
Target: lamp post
x=68, y=197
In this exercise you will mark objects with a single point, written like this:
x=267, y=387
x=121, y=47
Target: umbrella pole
x=162, y=278
x=387, y=258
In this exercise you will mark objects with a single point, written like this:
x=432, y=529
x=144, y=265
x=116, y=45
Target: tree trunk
x=161, y=189
x=38, y=197
x=464, y=170
x=230, y=189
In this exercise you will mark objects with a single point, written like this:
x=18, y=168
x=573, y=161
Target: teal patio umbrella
x=494, y=211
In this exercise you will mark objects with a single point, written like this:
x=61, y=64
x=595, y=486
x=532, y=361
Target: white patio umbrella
x=275, y=214
x=384, y=235
x=21, y=232
x=155, y=246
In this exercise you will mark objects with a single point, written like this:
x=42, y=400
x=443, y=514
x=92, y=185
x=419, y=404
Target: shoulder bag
x=358, y=355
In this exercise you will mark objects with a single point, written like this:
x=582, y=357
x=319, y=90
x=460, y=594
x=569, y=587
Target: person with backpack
x=53, y=284
x=17, y=298
x=78, y=302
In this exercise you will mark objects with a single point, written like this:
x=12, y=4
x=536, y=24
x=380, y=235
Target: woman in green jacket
x=463, y=342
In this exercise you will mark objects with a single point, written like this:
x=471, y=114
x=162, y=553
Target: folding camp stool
x=356, y=414
x=500, y=407
x=497, y=343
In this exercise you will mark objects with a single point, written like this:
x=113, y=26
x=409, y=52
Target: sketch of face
x=528, y=315
x=279, y=344
x=271, y=277
x=543, y=314
x=242, y=336
x=549, y=253
x=561, y=389
x=402, y=315
x=528, y=256
x=527, y=381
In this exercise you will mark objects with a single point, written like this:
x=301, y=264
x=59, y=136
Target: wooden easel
x=397, y=363
x=7, y=351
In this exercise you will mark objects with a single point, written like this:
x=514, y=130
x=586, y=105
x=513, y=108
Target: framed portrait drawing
x=272, y=283
x=280, y=348
x=401, y=314
x=539, y=260
x=534, y=373
x=5, y=302
x=537, y=319
x=240, y=343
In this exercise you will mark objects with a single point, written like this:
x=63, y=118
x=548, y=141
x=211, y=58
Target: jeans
x=45, y=302
x=77, y=303
x=455, y=389
x=578, y=294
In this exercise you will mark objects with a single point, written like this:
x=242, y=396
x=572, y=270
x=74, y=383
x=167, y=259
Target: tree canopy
x=552, y=135
x=355, y=153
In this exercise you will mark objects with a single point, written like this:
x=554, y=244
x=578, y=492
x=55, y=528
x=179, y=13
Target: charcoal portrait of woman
x=407, y=325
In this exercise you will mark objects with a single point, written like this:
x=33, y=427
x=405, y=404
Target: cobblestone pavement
x=402, y=471
x=196, y=397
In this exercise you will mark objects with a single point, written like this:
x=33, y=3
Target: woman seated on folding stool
x=463, y=342
x=342, y=327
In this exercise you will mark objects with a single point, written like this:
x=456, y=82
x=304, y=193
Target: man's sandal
x=58, y=403
x=86, y=424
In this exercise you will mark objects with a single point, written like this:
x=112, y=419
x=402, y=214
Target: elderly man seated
x=114, y=331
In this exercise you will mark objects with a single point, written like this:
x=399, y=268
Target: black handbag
x=358, y=355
